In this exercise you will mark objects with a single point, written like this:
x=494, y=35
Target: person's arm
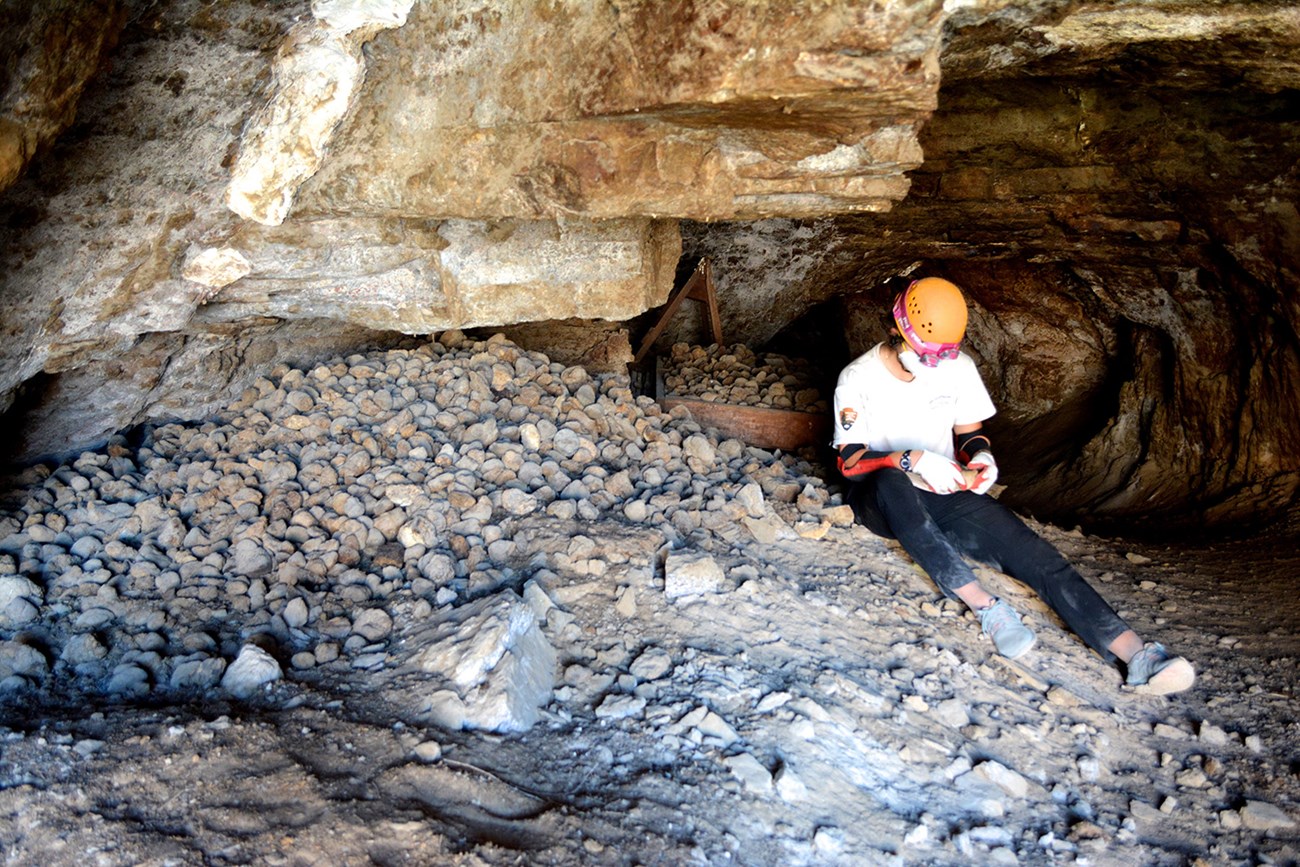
x=856, y=461
x=970, y=438
x=975, y=450
x=939, y=474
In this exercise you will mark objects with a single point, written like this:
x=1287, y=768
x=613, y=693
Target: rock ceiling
x=243, y=184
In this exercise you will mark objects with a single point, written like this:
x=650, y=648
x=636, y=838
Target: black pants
x=937, y=529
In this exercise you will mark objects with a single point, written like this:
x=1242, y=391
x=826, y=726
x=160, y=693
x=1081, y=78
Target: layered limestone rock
x=700, y=110
x=428, y=275
x=173, y=271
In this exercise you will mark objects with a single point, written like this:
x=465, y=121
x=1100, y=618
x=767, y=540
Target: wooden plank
x=759, y=426
x=707, y=293
x=698, y=288
x=659, y=326
x=711, y=302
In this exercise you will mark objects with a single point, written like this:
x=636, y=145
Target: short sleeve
x=973, y=401
x=850, y=421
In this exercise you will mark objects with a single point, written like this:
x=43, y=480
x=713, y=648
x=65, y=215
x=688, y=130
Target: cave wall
x=390, y=166
x=701, y=109
x=1129, y=246
x=247, y=184
x=52, y=50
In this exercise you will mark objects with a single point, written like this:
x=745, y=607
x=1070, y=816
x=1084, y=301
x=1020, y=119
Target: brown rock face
x=1129, y=247
x=1183, y=254
x=51, y=49
x=707, y=110
x=1114, y=184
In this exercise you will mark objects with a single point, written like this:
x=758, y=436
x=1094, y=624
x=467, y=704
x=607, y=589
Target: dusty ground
x=825, y=707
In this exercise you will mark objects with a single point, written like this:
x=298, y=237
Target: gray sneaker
x=1002, y=624
x=1154, y=672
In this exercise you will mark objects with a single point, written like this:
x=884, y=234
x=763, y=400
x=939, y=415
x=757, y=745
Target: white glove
x=940, y=474
x=983, y=461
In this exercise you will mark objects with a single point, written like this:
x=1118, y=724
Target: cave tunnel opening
x=1115, y=394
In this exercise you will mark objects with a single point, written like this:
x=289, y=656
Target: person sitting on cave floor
x=906, y=412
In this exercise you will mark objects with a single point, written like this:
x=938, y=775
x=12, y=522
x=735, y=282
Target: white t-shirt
x=886, y=414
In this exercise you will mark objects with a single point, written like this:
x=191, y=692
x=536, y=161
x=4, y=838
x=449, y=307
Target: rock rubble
x=514, y=607
x=737, y=375
x=335, y=513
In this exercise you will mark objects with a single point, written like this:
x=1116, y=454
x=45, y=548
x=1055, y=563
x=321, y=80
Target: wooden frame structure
x=763, y=427
x=698, y=288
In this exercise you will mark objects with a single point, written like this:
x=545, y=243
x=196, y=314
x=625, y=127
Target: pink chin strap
x=929, y=353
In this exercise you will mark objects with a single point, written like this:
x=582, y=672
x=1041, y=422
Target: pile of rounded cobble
x=738, y=376
x=329, y=502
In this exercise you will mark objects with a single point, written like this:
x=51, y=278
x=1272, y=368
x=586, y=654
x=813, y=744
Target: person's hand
x=940, y=474
x=983, y=461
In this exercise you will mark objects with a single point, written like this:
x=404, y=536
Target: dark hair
x=890, y=329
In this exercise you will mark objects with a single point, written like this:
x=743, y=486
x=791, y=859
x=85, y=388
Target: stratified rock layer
x=700, y=110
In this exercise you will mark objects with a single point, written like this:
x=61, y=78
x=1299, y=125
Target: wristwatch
x=905, y=462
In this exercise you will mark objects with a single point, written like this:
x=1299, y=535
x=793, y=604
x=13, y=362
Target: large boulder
x=484, y=665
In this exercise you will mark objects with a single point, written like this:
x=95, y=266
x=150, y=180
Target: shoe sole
x=1177, y=676
x=1019, y=653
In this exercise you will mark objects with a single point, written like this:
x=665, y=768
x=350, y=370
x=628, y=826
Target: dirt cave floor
x=821, y=705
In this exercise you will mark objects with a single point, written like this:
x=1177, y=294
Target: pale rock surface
x=1263, y=816
x=688, y=574
x=252, y=669
x=373, y=624
x=317, y=71
x=296, y=613
x=789, y=786
x=751, y=497
x=203, y=674
x=18, y=660
x=428, y=751
x=430, y=275
x=497, y=663
x=767, y=529
x=750, y=772
x=652, y=664
x=216, y=267
x=16, y=589
x=617, y=707
x=1003, y=777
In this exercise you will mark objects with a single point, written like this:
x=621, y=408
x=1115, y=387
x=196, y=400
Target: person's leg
x=986, y=530
x=889, y=500
x=888, y=504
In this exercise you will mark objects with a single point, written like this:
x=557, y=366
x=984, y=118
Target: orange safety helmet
x=931, y=316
